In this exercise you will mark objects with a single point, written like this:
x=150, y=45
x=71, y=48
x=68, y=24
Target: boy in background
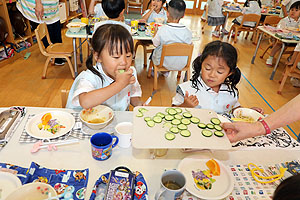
x=172, y=32
x=114, y=10
x=96, y=9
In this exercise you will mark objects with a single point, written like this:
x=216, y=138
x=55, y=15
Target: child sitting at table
x=214, y=80
x=253, y=8
x=288, y=189
x=291, y=21
x=156, y=11
x=111, y=81
x=172, y=32
x=114, y=10
x=96, y=9
x=215, y=16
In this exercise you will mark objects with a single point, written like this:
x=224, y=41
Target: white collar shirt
x=162, y=14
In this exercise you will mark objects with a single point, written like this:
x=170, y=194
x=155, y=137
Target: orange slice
x=214, y=167
x=46, y=118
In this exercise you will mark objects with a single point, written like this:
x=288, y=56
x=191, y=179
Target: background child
x=290, y=21
x=172, y=32
x=214, y=80
x=288, y=189
x=106, y=83
x=96, y=9
x=114, y=10
x=215, y=16
x=156, y=11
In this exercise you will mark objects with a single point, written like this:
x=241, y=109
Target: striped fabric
x=51, y=12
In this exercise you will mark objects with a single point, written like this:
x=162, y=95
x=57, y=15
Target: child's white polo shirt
x=222, y=102
x=288, y=22
x=162, y=14
x=87, y=81
x=99, y=10
x=168, y=34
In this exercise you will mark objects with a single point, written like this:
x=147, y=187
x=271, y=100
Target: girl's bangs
x=116, y=44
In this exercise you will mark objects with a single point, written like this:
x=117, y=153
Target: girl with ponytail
x=110, y=81
x=214, y=80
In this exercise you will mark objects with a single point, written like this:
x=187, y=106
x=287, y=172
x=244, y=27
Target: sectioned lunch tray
x=7, y=119
x=145, y=137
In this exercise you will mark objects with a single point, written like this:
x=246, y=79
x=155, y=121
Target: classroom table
x=78, y=156
x=263, y=30
x=83, y=35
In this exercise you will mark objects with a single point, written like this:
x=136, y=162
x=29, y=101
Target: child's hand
x=190, y=101
x=153, y=7
x=125, y=78
x=260, y=110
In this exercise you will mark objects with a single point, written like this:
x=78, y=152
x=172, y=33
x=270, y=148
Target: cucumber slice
x=182, y=127
x=147, y=119
x=202, y=125
x=169, y=117
x=160, y=115
x=178, y=116
x=150, y=123
x=170, y=136
x=185, y=121
x=175, y=121
x=215, y=121
x=121, y=71
x=187, y=115
x=174, y=130
x=207, y=133
x=210, y=126
x=167, y=124
x=195, y=120
x=178, y=110
x=157, y=119
x=142, y=110
x=218, y=127
x=167, y=109
x=185, y=133
x=172, y=111
x=219, y=133
x=140, y=114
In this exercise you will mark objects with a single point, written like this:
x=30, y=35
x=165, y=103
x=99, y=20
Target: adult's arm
x=39, y=9
x=92, y=7
x=285, y=115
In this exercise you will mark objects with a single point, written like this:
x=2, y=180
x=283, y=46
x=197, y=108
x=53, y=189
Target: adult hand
x=39, y=10
x=190, y=100
x=241, y=130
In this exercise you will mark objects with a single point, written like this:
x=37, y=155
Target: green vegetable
x=219, y=133
x=187, y=115
x=147, y=119
x=195, y=120
x=169, y=136
x=202, y=125
x=175, y=121
x=157, y=119
x=218, y=127
x=139, y=114
x=150, y=123
x=185, y=133
x=210, y=126
x=185, y=121
x=174, y=130
x=215, y=121
x=121, y=71
x=182, y=127
x=206, y=133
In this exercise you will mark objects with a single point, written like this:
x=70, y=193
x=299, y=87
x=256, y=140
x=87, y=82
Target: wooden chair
x=57, y=50
x=246, y=18
x=271, y=20
x=146, y=50
x=175, y=49
x=134, y=4
x=64, y=97
x=290, y=71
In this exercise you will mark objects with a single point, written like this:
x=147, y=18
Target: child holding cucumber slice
x=111, y=81
x=214, y=80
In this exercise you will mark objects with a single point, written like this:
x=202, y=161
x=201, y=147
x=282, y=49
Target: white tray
x=145, y=137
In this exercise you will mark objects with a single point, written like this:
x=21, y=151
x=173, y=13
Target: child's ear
x=97, y=57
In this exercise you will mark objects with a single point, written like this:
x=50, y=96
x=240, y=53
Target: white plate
x=8, y=183
x=221, y=188
x=64, y=118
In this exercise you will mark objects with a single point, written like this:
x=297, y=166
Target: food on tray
x=214, y=167
x=49, y=124
x=93, y=116
x=177, y=120
x=243, y=118
x=203, y=179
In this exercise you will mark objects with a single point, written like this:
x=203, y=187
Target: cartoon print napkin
x=140, y=192
x=20, y=172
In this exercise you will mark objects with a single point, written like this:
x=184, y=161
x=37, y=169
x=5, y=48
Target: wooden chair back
x=42, y=31
x=64, y=97
x=134, y=4
x=272, y=20
x=250, y=18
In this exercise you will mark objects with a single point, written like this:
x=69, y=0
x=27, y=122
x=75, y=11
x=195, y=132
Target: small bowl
x=37, y=190
x=246, y=115
x=98, y=118
x=75, y=27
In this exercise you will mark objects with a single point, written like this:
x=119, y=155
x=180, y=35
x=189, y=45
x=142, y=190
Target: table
x=78, y=156
x=264, y=30
x=83, y=35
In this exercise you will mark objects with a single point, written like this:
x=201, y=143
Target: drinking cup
x=172, y=185
x=141, y=26
x=124, y=132
x=85, y=20
x=102, y=145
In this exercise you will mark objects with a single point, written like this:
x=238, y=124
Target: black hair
x=176, y=8
x=114, y=37
x=222, y=50
x=163, y=1
x=288, y=189
x=247, y=4
x=295, y=5
x=113, y=8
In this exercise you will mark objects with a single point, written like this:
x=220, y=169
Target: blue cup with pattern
x=102, y=145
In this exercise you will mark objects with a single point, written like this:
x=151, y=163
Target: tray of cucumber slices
x=173, y=127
